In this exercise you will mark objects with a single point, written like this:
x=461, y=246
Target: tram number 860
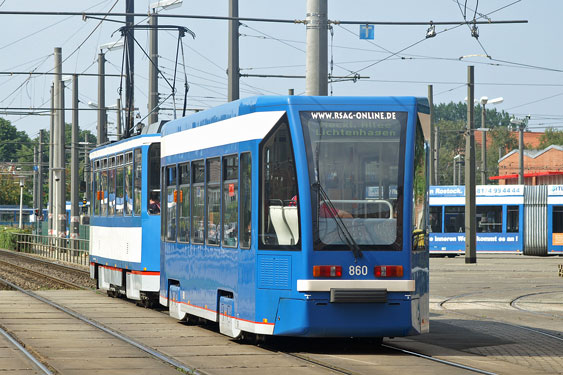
x=358, y=270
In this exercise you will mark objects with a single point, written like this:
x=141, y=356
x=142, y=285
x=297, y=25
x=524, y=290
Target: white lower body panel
x=135, y=281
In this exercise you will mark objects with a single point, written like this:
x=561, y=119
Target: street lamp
x=166, y=4
x=22, y=184
x=485, y=100
x=458, y=160
x=521, y=126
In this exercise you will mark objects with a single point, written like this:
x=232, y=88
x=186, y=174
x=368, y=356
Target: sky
x=520, y=62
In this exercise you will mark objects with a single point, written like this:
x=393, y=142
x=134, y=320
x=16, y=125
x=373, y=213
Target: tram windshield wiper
x=333, y=213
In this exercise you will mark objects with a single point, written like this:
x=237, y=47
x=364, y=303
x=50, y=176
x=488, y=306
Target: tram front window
x=357, y=158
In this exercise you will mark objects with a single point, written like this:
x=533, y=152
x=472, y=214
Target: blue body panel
x=454, y=242
x=263, y=282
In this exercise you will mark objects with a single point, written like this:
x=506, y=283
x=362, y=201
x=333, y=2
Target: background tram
x=125, y=226
x=10, y=215
x=510, y=219
x=298, y=216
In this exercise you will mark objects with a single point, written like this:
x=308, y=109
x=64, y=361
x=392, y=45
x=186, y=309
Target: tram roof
x=251, y=104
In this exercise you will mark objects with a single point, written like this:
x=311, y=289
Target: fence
x=68, y=250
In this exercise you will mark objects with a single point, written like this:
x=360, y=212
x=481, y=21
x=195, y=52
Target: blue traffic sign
x=367, y=32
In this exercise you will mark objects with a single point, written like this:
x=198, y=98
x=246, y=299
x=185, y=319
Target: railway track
x=356, y=351
x=42, y=272
x=39, y=279
x=113, y=333
x=51, y=264
x=332, y=361
x=34, y=359
x=512, y=304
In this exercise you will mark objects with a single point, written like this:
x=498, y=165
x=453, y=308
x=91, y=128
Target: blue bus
x=510, y=219
x=298, y=216
x=125, y=220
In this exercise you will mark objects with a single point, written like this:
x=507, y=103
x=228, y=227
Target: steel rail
x=35, y=259
x=30, y=356
x=514, y=305
x=350, y=372
x=166, y=359
x=443, y=361
x=535, y=330
x=42, y=275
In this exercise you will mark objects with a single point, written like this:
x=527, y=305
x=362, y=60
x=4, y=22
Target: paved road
x=478, y=326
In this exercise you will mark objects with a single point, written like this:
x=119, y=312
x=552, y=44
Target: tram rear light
x=327, y=271
x=175, y=196
x=388, y=271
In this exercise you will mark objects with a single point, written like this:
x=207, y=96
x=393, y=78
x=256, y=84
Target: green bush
x=9, y=238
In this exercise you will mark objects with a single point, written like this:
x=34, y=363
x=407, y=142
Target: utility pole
x=22, y=184
x=40, y=179
x=35, y=169
x=118, y=121
x=470, y=210
x=87, y=170
x=153, y=68
x=60, y=182
x=483, y=144
x=51, y=163
x=59, y=203
x=74, y=212
x=437, y=155
x=130, y=64
x=432, y=142
x=316, y=70
x=233, y=69
x=521, y=127
x=102, y=115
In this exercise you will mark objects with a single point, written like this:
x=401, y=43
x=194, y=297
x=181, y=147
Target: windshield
x=357, y=158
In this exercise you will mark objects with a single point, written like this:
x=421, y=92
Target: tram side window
x=436, y=219
x=213, y=201
x=279, y=219
x=512, y=220
x=127, y=200
x=245, y=200
x=454, y=219
x=557, y=219
x=489, y=219
x=153, y=177
x=138, y=180
x=171, y=198
x=184, y=203
x=96, y=186
x=230, y=201
x=198, y=201
x=119, y=203
x=111, y=186
x=104, y=188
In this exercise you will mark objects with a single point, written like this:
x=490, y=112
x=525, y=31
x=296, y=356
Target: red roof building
x=541, y=167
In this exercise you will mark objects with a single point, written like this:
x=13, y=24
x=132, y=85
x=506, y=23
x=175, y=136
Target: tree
x=451, y=119
x=452, y=143
x=458, y=112
x=551, y=137
x=12, y=143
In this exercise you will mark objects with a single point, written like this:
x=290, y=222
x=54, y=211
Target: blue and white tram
x=298, y=216
x=510, y=219
x=125, y=221
x=499, y=218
